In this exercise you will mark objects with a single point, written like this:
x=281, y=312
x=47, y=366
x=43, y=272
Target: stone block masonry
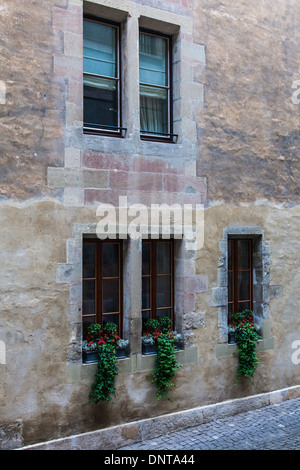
x=103, y=177
x=134, y=166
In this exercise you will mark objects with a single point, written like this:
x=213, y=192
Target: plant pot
x=231, y=338
x=90, y=356
x=148, y=349
x=178, y=345
x=122, y=352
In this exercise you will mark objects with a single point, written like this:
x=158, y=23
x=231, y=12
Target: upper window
x=101, y=77
x=157, y=279
x=239, y=275
x=155, y=86
x=102, y=282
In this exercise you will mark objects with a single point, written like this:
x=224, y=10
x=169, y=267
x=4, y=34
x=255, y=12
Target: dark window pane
x=145, y=315
x=146, y=292
x=166, y=312
x=230, y=254
x=146, y=251
x=86, y=322
x=163, y=291
x=230, y=287
x=244, y=254
x=163, y=257
x=88, y=296
x=89, y=251
x=110, y=253
x=110, y=295
x=240, y=277
x=243, y=306
x=100, y=102
x=244, y=285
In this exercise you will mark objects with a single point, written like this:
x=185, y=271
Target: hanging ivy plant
x=103, y=388
x=160, y=332
x=246, y=338
x=165, y=365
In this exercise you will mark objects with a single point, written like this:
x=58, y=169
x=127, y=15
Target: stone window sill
x=78, y=371
x=227, y=349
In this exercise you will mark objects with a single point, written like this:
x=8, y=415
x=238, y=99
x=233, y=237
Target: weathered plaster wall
x=46, y=390
x=248, y=131
x=32, y=115
x=243, y=132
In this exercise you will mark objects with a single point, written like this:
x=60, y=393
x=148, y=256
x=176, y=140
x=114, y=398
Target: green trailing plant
x=159, y=331
x=103, y=388
x=165, y=365
x=106, y=340
x=246, y=339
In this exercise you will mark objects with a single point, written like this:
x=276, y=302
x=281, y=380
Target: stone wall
x=236, y=153
x=32, y=113
x=249, y=128
x=44, y=385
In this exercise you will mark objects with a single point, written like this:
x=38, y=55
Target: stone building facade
x=230, y=146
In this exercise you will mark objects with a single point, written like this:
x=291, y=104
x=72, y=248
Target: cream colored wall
x=43, y=383
x=237, y=153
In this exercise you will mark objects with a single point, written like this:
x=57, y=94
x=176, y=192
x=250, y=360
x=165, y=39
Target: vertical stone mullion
x=132, y=293
x=130, y=76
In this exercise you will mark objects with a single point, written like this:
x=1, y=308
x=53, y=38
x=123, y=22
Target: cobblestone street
x=274, y=427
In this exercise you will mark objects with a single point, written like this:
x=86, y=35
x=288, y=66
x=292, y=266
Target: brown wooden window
x=155, y=76
x=239, y=275
x=101, y=77
x=102, y=282
x=157, y=279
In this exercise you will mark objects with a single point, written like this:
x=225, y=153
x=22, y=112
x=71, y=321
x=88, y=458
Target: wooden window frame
x=153, y=136
x=154, y=275
x=117, y=131
x=99, y=314
x=235, y=270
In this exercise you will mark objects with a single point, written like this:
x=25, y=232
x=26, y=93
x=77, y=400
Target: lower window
x=157, y=279
x=102, y=286
x=240, y=280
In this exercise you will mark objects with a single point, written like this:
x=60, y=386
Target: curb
x=115, y=437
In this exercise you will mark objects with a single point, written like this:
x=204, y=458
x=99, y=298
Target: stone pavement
x=273, y=427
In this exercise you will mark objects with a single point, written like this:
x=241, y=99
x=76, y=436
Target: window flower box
x=149, y=345
x=148, y=349
x=122, y=349
x=231, y=334
x=89, y=354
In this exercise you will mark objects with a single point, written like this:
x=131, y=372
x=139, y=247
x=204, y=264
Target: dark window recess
x=157, y=279
x=102, y=284
x=155, y=75
x=240, y=277
x=101, y=78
